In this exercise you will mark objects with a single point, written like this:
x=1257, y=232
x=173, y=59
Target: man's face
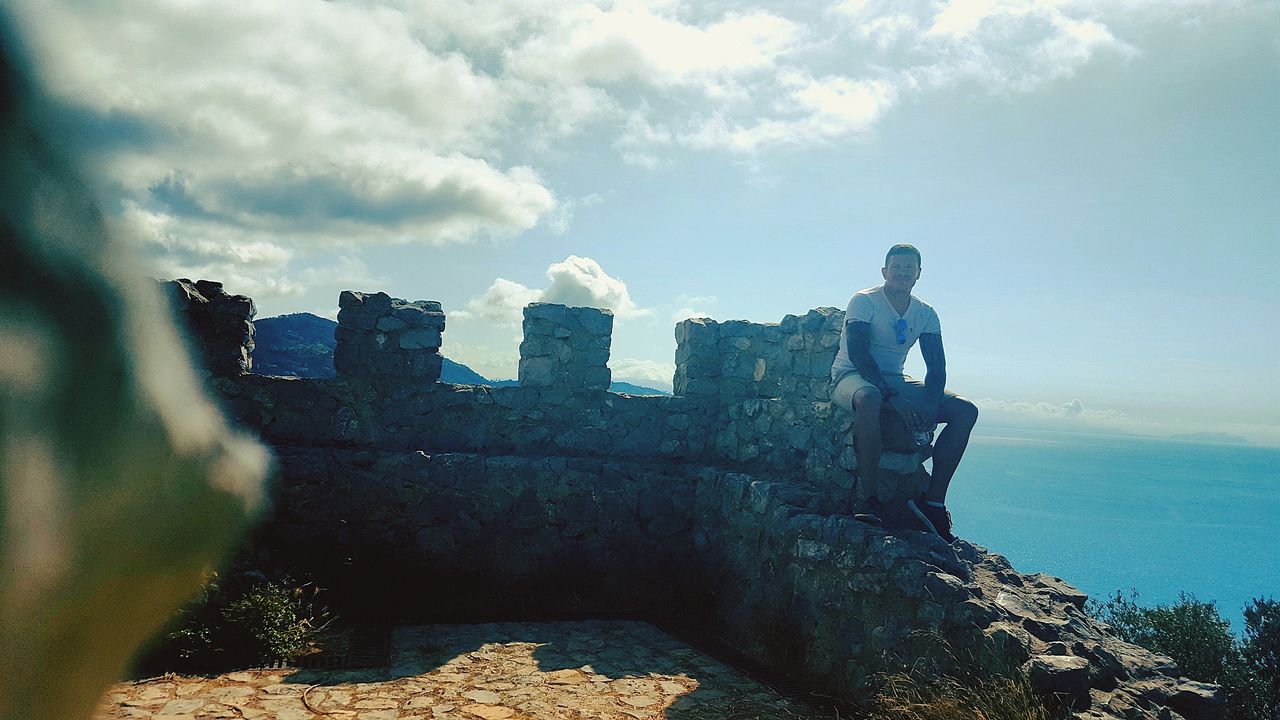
x=901, y=273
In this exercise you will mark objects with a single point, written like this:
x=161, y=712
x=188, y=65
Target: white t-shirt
x=871, y=306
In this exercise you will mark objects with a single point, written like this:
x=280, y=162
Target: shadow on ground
x=590, y=669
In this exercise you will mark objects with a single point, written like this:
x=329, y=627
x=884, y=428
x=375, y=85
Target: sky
x=1094, y=184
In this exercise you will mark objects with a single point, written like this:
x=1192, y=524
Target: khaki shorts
x=908, y=389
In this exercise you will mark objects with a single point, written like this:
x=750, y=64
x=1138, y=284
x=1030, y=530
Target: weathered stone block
x=1064, y=675
x=551, y=312
x=419, y=339
x=697, y=332
x=595, y=320
x=596, y=378
x=390, y=323
x=537, y=371
x=383, y=337
x=218, y=325
x=564, y=348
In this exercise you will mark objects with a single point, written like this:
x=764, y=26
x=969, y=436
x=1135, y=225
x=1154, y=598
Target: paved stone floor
x=605, y=670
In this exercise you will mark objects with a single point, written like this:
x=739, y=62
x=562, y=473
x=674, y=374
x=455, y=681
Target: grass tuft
x=906, y=696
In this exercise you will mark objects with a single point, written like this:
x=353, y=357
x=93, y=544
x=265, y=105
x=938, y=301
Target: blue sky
x=1094, y=185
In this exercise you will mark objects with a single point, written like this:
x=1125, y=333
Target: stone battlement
x=745, y=394
x=565, y=347
x=559, y=496
x=383, y=337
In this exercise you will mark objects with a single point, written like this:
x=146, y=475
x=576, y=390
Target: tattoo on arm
x=858, y=344
x=935, y=362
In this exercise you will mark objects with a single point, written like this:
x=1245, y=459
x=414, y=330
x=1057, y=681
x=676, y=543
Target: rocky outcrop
x=1040, y=620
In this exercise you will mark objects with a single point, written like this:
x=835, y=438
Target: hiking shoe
x=936, y=519
x=868, y=518
x=870, y=513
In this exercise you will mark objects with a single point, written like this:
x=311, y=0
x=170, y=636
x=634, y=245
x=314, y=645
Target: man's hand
x=919, y=418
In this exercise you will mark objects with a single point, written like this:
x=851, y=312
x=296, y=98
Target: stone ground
x=597, y=670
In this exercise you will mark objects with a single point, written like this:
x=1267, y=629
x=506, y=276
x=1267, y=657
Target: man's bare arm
x=935, y=363
x=858, y=344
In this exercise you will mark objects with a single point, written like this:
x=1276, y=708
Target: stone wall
x=219, y=326
x=409, y=535
x=727, y=503
x=768, y=388
x=747, y=396
x=565, y=347
x=387, y=338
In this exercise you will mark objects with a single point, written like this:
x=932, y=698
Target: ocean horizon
x=1118, y=512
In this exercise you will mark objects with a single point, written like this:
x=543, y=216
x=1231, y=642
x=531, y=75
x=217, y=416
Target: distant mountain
x=459, y=374
x=301, y=345
x=620, y=386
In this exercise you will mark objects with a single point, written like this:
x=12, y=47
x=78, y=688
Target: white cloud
x=1068, y=410
x=960, y=18
x=690, y=306
x=502, y=303
x=247, y=263
x=562, y=217
x=576, y=281
x=241, y=136
x=840, y=105
x=648, y=373
x=581, y=281
x=1008, y=45
x=886, y=30
x=685, y=313
x=314, y=122
x=815, y=110
x=495, y=364
x=633, y=42
x=1073, y=415
x=343, y=272
x=374, y=194
x=640, y=138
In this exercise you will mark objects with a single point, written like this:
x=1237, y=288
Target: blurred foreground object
x=120, y=484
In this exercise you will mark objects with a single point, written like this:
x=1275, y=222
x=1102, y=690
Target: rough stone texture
x=219, y=325
x=1065, y=675
x=733, y=495
x=524, y=671
x=565, y=347
x=382, y=337
x=767, y=389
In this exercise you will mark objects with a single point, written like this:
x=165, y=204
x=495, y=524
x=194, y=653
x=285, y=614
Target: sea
x=1118, y=512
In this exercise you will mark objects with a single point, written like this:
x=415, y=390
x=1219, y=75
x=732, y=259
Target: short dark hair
x=902, y=249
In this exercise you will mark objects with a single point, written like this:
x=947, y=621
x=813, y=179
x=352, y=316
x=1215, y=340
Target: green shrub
x=240, y=618
x=940, y=681
x=1201, y=643
x=1195, y=636
x=1125, y=616
x=1261, y=654
x=910, y=696
x=268, y=622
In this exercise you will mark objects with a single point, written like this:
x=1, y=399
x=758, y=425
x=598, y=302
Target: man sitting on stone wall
x=881, y=325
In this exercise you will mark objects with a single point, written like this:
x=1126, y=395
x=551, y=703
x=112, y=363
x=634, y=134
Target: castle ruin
x=727, y=503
